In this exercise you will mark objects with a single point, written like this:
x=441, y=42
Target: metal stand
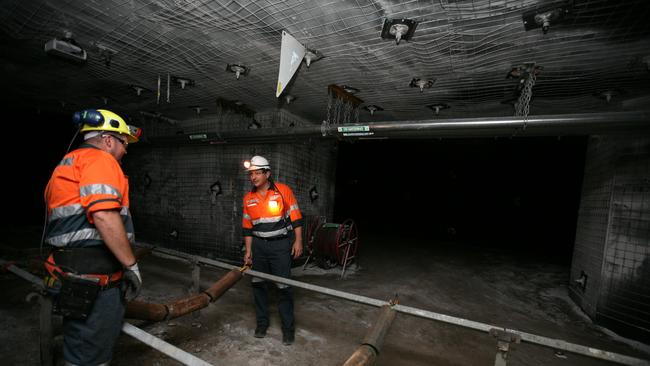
x=350, y=242
x=45, y=335
x=195, y=288
x=304, y=266
x=504, y=339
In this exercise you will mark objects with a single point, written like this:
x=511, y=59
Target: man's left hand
x=131, y=282
x=296, y=249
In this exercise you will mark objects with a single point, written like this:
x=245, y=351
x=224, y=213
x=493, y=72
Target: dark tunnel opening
x=31, y=161
x=521, y=194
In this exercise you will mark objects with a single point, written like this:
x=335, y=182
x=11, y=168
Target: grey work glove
x=131, y=282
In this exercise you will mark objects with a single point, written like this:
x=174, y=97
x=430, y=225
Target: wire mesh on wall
x=189, y=198
x=626, y=269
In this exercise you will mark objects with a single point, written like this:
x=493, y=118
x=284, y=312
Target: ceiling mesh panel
x=467, y=47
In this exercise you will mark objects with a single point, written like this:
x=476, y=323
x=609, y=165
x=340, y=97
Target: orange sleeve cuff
x=102, y=205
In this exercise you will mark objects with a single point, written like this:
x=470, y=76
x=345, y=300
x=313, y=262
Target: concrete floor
x=495, y=286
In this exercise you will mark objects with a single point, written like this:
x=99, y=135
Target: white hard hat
x=257, y=162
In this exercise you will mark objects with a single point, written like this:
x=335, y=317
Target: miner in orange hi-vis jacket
x=89, y=230
x=272, y=230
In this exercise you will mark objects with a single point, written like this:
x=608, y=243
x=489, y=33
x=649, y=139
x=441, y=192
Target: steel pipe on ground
x=527, y=337
x=367, y=353
x=158, y=312
x=9, y=266
x=142, y=310
x=169, y=349
x=154, y=342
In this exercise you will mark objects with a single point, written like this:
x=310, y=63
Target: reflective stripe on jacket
x=86, y=180
x=271, y=216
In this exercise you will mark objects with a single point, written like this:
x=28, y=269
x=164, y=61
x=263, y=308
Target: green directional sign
x=353, y=129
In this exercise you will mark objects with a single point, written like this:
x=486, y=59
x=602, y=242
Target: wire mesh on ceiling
x=467, y=47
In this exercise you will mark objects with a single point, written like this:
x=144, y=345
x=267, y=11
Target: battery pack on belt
x=75, y=294
x=76, y=297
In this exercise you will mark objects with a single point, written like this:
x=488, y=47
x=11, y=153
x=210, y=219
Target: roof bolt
x=237, y=69
x=373, y=108
x=311, y=56
x=422, y=83
x=398, y=30
x=437, y=107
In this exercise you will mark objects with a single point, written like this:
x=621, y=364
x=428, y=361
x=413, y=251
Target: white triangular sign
x=291, y=55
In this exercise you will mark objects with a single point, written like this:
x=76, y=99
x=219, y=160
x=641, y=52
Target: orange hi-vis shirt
x=86, y=180
x=271, y=216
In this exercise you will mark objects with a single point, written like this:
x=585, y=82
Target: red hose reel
x=331, y=244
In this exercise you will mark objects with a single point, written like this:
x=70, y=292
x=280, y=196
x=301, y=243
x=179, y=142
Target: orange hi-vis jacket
x=86, y=180
x=271, y=216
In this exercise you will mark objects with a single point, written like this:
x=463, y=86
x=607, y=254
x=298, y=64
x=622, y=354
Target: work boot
x=288, y=337
x=260, y=332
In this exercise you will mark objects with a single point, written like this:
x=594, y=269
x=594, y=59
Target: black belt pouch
x=76, y=298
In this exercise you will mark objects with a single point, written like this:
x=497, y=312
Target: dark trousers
x=273, y=257
x=91, y=341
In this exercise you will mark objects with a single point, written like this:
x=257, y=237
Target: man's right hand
x=248, y=258
x=131, y=282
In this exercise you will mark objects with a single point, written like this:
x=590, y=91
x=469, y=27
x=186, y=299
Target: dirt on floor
x=484, y=285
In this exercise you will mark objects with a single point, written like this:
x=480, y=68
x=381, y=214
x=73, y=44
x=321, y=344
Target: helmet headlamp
x=256, y=163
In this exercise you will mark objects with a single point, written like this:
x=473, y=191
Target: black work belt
x=85, y=260
x=273, y=238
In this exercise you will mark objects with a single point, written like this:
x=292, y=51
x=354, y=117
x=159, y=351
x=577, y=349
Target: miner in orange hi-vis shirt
x=89, y=229
x=272, y=230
